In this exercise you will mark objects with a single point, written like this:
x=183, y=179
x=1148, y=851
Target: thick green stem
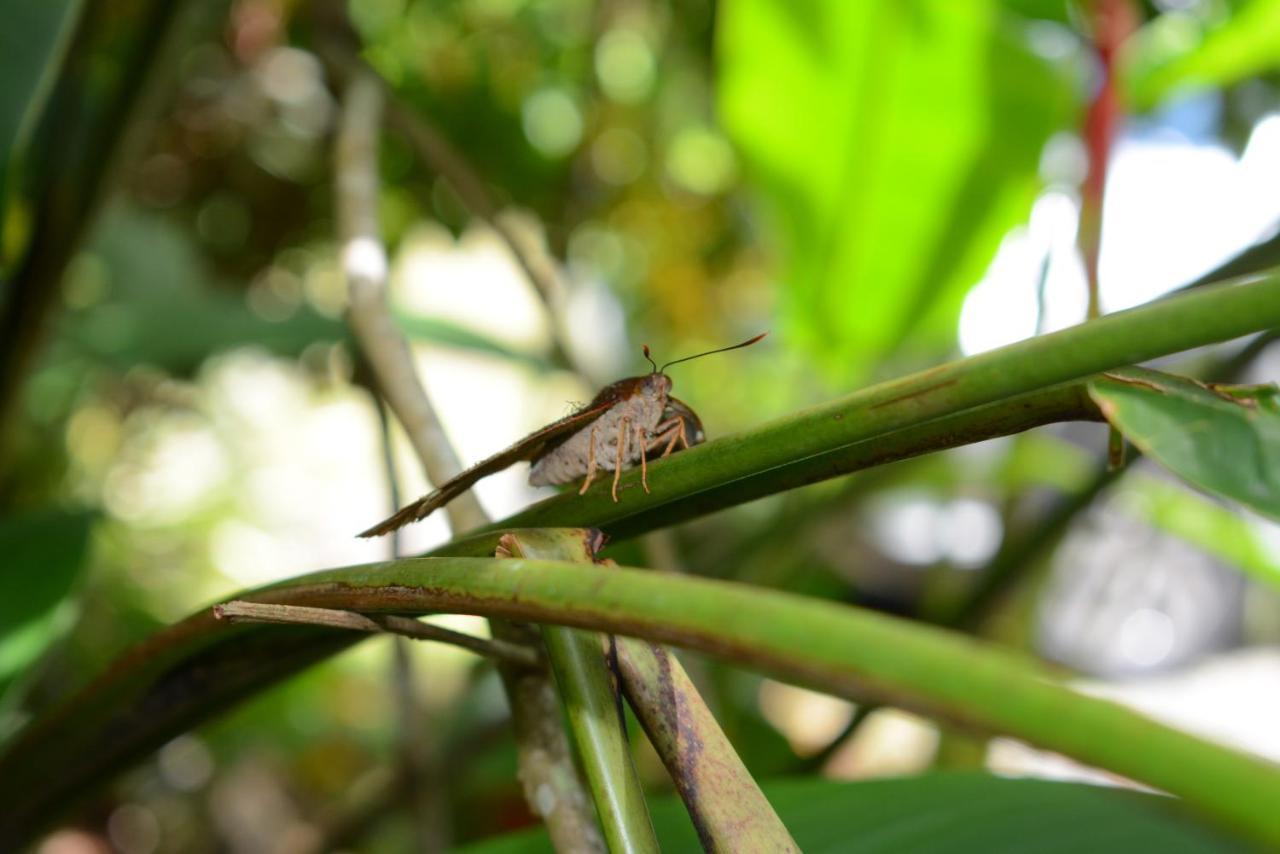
x=591, y=703
x=794, y=449
x=831, y=647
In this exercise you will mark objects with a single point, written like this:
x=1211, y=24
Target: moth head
x=657, y=383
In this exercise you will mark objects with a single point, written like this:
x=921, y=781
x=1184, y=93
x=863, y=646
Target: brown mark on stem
x=912, y=394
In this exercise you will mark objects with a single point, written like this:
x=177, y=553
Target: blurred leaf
x=1224, y=443
x=31, y=44
x=1201, y=522
x=960, y=812
x=44, y=553
x=894, y=145
x=438, y=331
x=1179, y=50
x=164, y=308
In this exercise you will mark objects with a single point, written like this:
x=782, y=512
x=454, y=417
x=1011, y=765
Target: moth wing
x=677, y=408
x=528, y=448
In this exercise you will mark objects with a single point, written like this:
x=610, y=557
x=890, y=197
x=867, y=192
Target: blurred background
x=885, y=186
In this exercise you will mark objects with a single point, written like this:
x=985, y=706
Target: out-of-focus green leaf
x=1201, y=522
x=944, y=814
x=894, y=145
x=437, y=331
x=164, y=308
x=41, y=555
x=32, y=39
x=1224, y=443
x=1179, y=50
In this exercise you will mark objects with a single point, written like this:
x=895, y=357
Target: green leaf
x=945, y=813
x=32, y=40
x=893, y=146
x=43, y=553
x=163, y=307
x=1202, y=522
x=1224, y=443
x=437, y=331
x=1180, y=50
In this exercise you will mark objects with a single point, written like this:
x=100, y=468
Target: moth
x=622, y=425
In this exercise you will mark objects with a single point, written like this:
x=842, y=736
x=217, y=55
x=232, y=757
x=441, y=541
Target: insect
x=625, y=423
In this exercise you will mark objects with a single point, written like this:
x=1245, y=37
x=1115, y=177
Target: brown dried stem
x=440, y=155
x=728, y=809
x=296, y=615
x=364, y=260
x=545, y=757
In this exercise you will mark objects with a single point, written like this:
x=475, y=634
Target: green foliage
x=32, y=40
x=894, y=145
x=1225, y=442
x=1218, y=45
x=886, y=150
x=955, y=813
x=44, y=554
x=163, y=307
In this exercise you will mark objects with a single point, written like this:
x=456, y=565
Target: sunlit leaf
x=944, y=814
x=1222, y=442
x=893, y=146
x=43, y=554
x=1180, y=50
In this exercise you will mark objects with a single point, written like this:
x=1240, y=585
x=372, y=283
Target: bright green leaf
x=894, y=145
x=1180, y=50
x=943, y=814
x=1226, y=444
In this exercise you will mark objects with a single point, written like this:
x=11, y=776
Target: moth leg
x=677, y=435
x=591, y=463
x=618, y=456
x=642, y=440
x=683, y=435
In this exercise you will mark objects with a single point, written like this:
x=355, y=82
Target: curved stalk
x=831, y=647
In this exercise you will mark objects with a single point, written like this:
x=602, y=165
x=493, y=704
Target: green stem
x=831, y=647
x=772, y=457
x=591, y=703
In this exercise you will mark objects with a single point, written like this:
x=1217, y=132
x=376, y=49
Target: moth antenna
x=645, y=348
x=746, y=343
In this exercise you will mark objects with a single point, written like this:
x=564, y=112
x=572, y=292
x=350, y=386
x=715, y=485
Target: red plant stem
x=1113, y=21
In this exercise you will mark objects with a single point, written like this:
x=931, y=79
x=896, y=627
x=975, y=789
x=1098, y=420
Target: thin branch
x=544, y=754
x=239, y=611
x=364, y=260
x=441, y=156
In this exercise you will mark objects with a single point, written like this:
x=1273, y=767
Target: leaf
x=164, y=308
x=893, y=145
x=1202, y=522
x=32, y=40
x=450, y=334
x=1225, y=444
x=943, y=813
x=44, y=553
x=1180, y=50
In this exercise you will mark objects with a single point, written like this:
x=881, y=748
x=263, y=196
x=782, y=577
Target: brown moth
x=622, y=425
